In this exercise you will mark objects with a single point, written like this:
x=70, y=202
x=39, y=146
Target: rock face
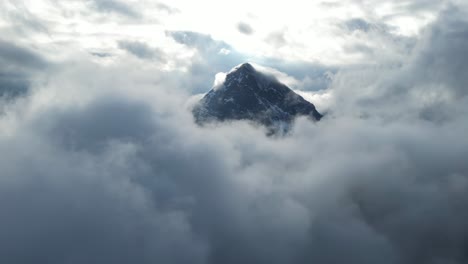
x=248, y=94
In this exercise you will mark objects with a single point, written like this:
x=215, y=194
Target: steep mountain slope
x=252, y=95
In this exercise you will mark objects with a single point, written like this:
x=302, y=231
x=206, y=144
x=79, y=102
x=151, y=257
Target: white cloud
x=219, y=79
x=224, y=51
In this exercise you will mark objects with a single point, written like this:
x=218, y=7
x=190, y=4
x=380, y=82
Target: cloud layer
x=102, y=162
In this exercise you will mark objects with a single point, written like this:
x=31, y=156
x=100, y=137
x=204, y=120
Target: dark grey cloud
x=18, y=64
x=443, y=53
x=101, y=54
x=86, y=215
x=13, y=84
x=98, y=124
x=116, y=6
x=13, y=55
x=142, y=50
x=358, y=24
x=161, y=189
x=245, y=28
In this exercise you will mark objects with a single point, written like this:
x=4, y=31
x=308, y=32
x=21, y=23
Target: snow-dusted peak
x=244, y=67
x=251, y=94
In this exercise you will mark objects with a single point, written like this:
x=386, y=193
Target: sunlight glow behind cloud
x=287, y=30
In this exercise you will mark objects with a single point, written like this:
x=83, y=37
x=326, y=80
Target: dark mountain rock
x=248, y=94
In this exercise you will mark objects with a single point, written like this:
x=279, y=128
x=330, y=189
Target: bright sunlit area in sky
x=326, y=32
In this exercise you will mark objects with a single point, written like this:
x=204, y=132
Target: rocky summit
x=248, y=94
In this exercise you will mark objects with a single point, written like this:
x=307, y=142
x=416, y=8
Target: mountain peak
x=246, y=67
x=241, y=76
x=248, y=94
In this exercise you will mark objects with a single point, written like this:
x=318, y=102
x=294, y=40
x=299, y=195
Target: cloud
x=442, y=55
x=245, y=28
x=357, y=24
x=429, y=80
x=360, y=48
x=277, y=39
x=203, y=42
x=141, y=50
x=122, y=180
x=17, y=56
x=112, y=169
x=211, y=57
x=24, y=20
x=116, y=6
x=18, y=64
x=13, y=85
x=168, y=9
x=99, y=123
x=101, y=54
x=214, y=56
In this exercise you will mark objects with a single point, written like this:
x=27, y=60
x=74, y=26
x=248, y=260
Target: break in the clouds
x=102, y=161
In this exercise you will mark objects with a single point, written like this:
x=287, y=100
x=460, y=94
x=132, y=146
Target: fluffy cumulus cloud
x=102, y=162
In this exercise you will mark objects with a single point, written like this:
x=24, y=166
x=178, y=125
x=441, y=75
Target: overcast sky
x=101, y=161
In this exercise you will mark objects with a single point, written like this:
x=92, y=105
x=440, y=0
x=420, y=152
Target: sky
x=101, y=161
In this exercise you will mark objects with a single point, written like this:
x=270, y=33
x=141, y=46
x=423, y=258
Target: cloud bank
x=102, y=162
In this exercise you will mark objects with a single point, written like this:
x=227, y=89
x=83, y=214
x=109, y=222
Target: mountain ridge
x=248, y=94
